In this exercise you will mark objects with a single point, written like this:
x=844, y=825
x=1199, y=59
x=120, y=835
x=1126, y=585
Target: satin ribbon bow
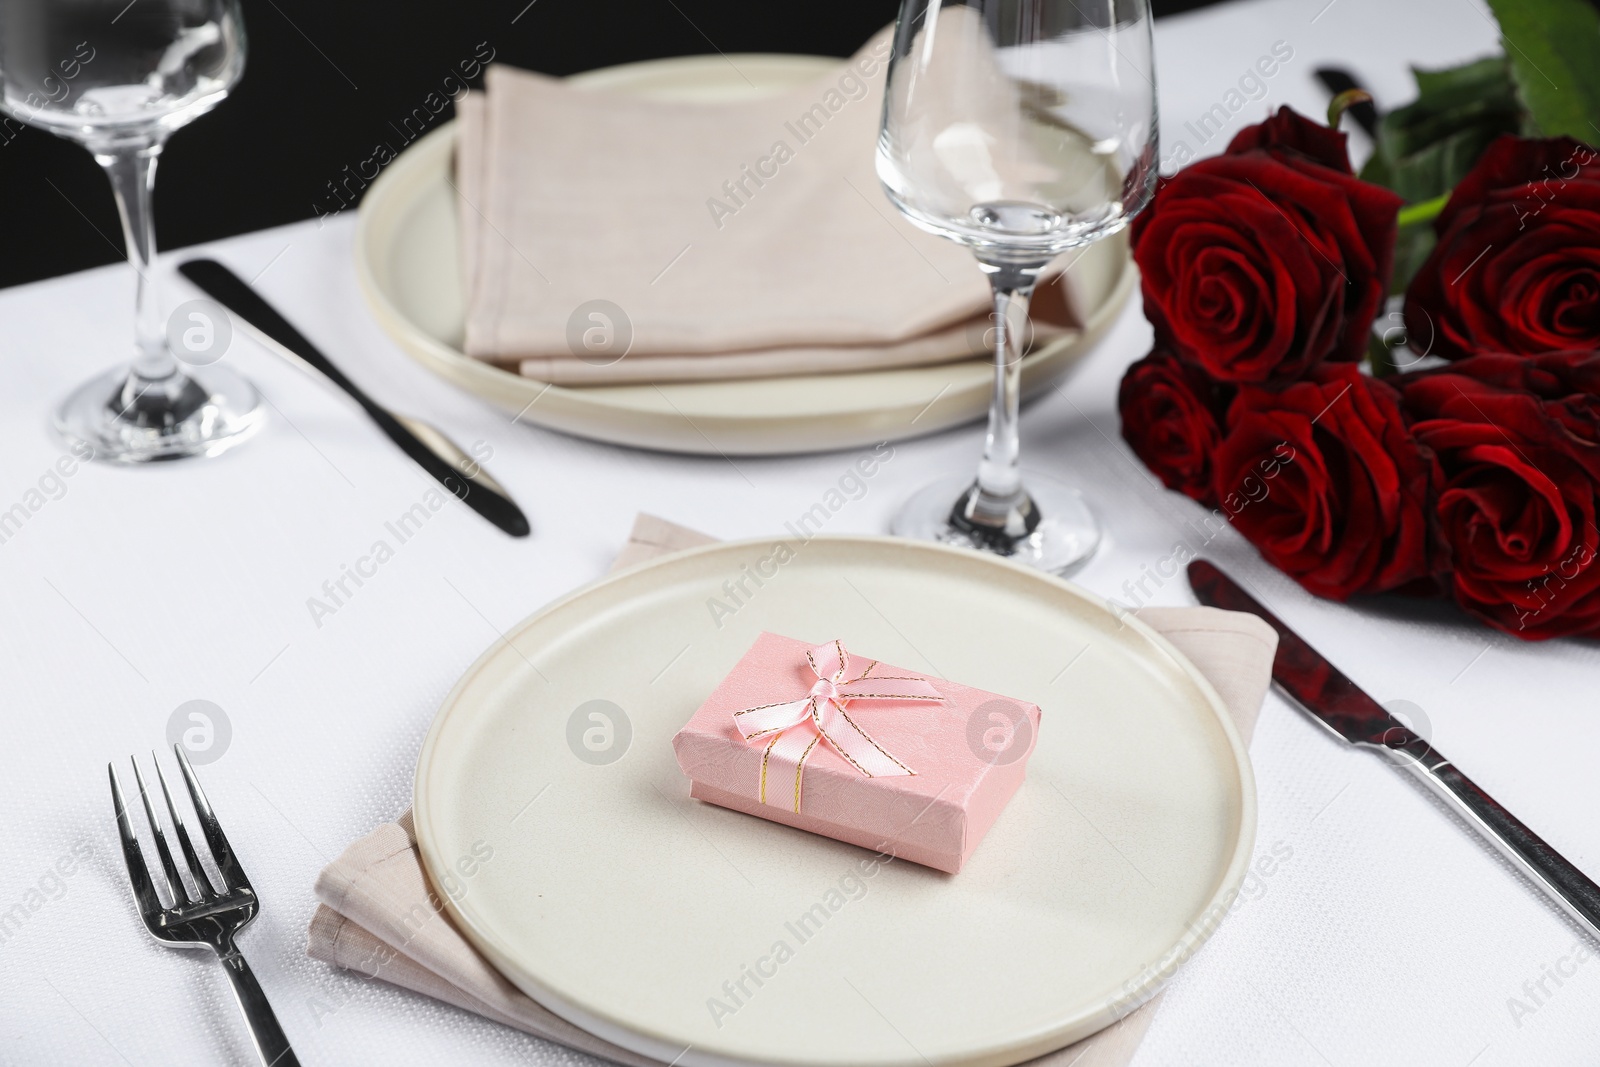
x=796, y=726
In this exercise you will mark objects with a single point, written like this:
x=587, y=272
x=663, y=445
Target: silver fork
x=211, y=918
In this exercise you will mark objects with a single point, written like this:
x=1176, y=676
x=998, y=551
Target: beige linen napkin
x=380, y=918
x=608, y=238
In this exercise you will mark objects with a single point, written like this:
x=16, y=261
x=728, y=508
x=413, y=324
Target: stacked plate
x=407, y=258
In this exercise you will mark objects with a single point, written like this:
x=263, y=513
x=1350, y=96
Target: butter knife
x=425, y=444
x=1339, y=704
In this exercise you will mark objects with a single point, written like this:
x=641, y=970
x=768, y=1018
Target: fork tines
x=144, y=887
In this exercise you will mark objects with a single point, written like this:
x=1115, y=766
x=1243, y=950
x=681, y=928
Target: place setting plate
x=408, y=264
x=550, y=806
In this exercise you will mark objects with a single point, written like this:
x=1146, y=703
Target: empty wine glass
x=1022, y=129
x=119, y=78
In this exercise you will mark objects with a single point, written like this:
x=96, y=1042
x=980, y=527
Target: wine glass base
x=213, y=410
x=1064, y=539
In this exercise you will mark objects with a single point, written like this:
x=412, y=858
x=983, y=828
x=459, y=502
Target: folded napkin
x=607, y=238
x=379, y=917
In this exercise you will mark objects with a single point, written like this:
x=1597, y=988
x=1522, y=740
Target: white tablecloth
x=1383, y=934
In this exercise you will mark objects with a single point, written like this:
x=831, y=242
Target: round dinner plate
x=551, y=812
x=408, y=261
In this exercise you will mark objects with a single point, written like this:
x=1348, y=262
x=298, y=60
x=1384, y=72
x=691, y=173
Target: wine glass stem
x=132, y=170
x=999, y=477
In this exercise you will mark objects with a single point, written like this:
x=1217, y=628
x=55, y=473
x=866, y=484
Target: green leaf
x=1411, y=247
x=1554, y=50
x=1423, y=149
x=1458, y=83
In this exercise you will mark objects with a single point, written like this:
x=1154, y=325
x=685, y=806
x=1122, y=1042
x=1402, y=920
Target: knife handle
x=233, y=292
x=1546, y=868
x=237, y=295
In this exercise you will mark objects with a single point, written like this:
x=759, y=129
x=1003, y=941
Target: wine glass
x=1022, y=129
x=119, y=78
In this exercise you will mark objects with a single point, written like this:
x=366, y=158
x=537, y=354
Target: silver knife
x=426, y=445
x=1340, y=705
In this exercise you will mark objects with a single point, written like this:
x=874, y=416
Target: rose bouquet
x=1466, y=464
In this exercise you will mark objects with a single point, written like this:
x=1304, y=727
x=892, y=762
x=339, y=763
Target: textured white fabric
x=1384, y=934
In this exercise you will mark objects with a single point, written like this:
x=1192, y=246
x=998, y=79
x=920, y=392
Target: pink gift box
x=966, y=751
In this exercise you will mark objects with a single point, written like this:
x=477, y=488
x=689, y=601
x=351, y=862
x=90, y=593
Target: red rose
x=1517, y=266
x=1172, y=419
x=1568, y=381
x=1263, y=261
x=1326, y=480
x=1517, y=505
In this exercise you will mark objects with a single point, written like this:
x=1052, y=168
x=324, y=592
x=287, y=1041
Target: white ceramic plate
x=408, y=262
x=624, y=906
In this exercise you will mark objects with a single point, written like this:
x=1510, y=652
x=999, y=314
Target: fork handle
x=268, y=1037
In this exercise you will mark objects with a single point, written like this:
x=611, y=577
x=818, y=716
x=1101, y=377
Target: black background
x=326, y=79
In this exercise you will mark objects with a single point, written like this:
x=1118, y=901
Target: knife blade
x=1322, y=691
x=425, y=444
